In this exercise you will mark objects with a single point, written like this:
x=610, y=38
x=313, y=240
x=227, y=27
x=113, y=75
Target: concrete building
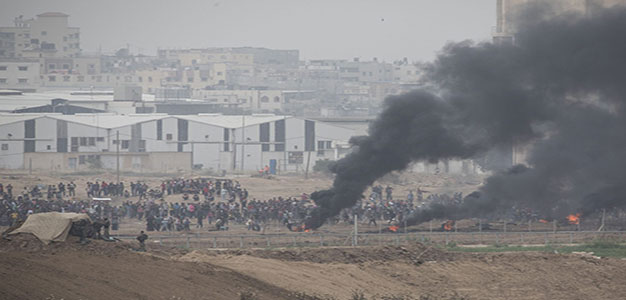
x=158, y=142
x=508, y=13
x=22, y=75
x=251, y=100
x=48, y=35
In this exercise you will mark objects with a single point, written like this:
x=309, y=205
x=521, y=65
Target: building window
x=74, y=143
x=66, y=78
x=48, y=147
x=125, y=144
x=142, y=146
x=83, y=141
x=5, y=147
x=52, y=66
x=52, y=78
x=91, y=141
x=3, y=80
x=100, y=139
x=149, y=79
x=276, y=99
x=22, y=80
x=265, y=99
x=3, y=68
x=22, y=68
x=66, y=66
x=168, y=136
x=81, y=159
x=159, y=130
x=80, y=78
x=44, y=33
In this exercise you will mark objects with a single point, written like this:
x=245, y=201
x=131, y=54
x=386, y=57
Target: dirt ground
x=104, y=270
x=259, y=188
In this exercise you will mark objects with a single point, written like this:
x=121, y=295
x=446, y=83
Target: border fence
x=294, y=240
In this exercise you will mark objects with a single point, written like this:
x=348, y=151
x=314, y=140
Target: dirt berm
x=104, y=270
x=101, y=270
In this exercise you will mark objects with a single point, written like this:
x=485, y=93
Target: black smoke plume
x=560, y=89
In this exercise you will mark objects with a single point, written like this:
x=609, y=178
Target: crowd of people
x=204, y=202
x=60, y=198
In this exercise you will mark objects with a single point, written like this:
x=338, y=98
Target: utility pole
x=285, y=144
x=243, y=140
x=117, y=156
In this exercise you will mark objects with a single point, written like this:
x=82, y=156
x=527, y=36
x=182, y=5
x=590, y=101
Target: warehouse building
x=159, y=142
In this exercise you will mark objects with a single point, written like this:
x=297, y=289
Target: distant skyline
x=388, y=30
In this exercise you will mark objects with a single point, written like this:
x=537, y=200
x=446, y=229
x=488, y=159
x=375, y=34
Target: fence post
x=214, y=242
x=187, y=242
x=241, y=242
x=356, y=231
x=571, y=238
x=497, y=239
x=546, y=238
x=267, y=240
x=521, y=238
x=530, y=225
x=321, y=240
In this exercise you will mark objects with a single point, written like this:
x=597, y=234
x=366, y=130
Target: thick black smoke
x=560, y=88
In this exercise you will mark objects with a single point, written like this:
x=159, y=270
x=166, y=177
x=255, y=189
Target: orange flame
x=448, y=225
x=394, y=228
x=544, y=221
x=574, y=219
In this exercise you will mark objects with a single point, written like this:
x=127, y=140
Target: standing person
x=142, y=237
x=71, y=188
x=106, y=224
x=389, y=191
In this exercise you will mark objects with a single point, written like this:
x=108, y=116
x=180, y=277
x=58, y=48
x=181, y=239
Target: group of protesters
x=17, y=207
x=216, y=203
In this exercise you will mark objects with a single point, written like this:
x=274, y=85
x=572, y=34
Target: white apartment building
x=249, y=100
x=20, y=75
x=47, y=35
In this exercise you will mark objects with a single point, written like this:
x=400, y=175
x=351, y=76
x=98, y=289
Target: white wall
x=12, y=158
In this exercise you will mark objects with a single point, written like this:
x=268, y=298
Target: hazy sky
x=387, y=29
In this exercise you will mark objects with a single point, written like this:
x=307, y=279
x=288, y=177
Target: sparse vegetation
x=602, y=248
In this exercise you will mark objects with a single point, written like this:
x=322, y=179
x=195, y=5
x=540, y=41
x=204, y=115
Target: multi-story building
x=20, y=75
x=48, y=35
x=508, y=12
x=265, y=101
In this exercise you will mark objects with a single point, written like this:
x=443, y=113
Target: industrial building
x=159, y=142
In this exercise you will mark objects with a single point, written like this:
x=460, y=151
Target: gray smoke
x=560, y=88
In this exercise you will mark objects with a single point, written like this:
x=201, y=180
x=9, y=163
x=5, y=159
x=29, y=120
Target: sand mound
x=410, y=254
